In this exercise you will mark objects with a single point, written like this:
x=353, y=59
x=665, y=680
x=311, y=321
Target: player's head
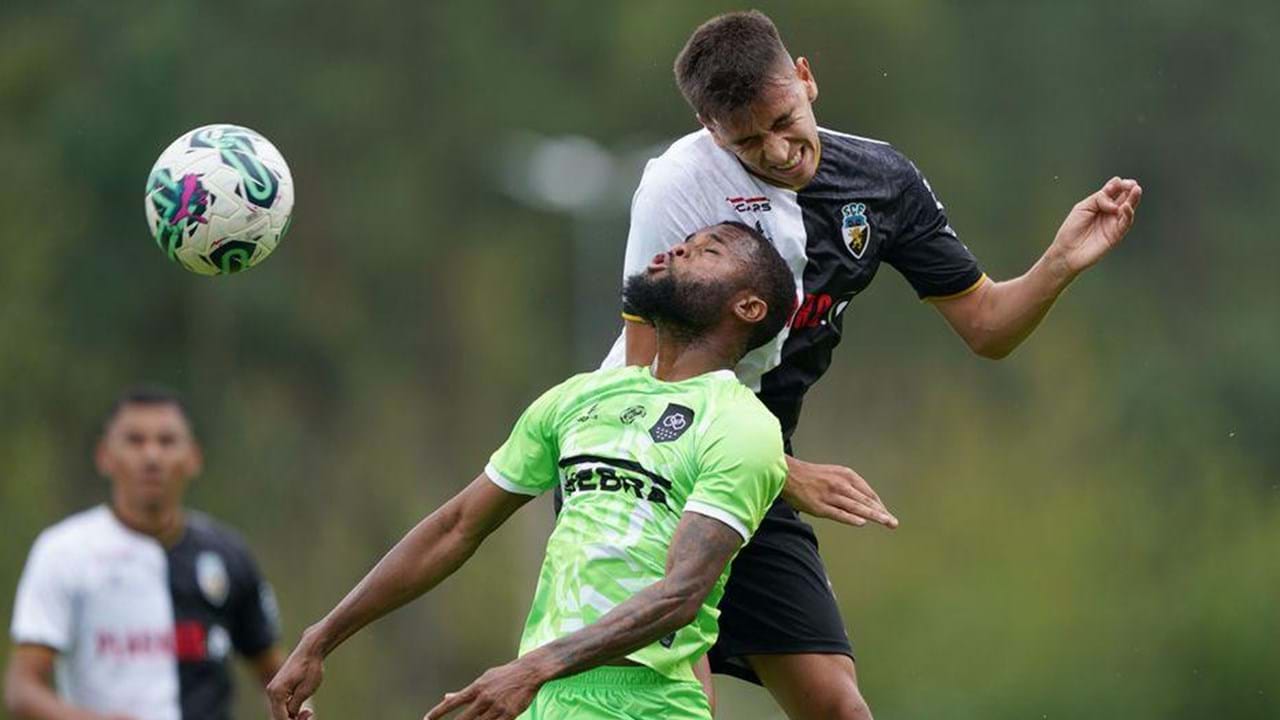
x=148, y=449
x=756, y=102
x=725, y=279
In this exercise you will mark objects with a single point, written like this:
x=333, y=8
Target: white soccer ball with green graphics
x=219, y=199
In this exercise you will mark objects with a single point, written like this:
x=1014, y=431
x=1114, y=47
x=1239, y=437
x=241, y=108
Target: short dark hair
x=727, y=61
x=145, y=395
x=768, y=276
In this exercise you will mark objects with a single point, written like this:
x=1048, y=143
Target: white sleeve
x=666, y=208
x=42, y=611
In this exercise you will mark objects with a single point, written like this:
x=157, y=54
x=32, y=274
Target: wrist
x=318, y=640
x=541, y=666
x=1058, y=268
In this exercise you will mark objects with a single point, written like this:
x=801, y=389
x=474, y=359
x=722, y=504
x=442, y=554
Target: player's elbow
x=990, y=349
x=986, y=342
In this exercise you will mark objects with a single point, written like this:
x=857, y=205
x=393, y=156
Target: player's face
x=691, y=288
x=712, y=255
x=776, y=137
x=149, y=454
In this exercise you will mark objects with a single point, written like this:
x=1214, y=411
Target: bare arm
x=431, y=552
x=641, y=341
x=699, y=552
x=28, y=693
x=997, y=317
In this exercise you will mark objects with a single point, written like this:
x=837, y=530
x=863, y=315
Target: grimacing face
x=776, y=137
x=150, y=455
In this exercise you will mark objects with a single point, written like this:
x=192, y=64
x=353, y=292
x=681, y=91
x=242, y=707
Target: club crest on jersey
x=674, y=421
x=211, y=577
x=855, y=228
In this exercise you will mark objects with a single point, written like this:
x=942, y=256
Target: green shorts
x=619, y=693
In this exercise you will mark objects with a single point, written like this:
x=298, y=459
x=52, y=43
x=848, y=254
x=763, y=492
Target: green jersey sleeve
x=526, y=462
x=741, y=468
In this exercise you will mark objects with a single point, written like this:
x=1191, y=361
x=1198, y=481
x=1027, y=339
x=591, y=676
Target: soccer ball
x=219, y=199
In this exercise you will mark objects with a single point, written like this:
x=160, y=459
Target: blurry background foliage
x=1090, y=528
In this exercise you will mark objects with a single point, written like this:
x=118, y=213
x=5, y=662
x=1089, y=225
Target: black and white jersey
x=866, y=205
x=142, y=629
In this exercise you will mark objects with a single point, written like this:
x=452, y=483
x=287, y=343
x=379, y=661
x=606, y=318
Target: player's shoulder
x=688, y=164
x=76, y=532
x=582, y=388
x=207, y=533
x=848, y=154
x=603, y=380
x=739, y=408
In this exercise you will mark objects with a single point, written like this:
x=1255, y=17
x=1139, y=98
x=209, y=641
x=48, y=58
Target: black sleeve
x=255, y=617
x=926, y=250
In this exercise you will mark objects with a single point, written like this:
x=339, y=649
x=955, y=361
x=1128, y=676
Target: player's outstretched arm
x=428, y=554
x=699, y=552
x=27, y=693
x=997, y=317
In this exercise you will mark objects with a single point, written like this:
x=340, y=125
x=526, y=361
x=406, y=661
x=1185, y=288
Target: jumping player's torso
x=631, y=454
x=142, y=629
x=866, y=205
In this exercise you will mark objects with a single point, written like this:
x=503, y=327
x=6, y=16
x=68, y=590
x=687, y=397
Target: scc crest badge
x=855, y=228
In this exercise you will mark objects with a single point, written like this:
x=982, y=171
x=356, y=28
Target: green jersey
x=632, y=454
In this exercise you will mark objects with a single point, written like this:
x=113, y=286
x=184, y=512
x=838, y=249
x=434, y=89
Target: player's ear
x=804, y=74
x=750, y=309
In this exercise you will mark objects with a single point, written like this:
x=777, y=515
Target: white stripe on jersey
x=692, y=185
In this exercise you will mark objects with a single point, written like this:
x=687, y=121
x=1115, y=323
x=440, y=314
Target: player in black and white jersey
x=836, y=206
x=137, y=605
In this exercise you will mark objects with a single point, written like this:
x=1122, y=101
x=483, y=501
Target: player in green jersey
x=665, y=472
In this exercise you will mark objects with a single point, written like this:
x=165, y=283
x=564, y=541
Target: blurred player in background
x=836, y=206
x=137, y=604
x=666, y=473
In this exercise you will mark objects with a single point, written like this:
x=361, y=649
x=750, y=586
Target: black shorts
x=778, y=600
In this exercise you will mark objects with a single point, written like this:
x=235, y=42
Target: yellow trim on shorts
x=962, y=293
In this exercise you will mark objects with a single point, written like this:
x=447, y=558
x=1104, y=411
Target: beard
x=687, y=308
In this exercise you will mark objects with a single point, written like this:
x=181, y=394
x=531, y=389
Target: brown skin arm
x=699, y=552
x=28, y=690
x=428, y=554
x=834, y=492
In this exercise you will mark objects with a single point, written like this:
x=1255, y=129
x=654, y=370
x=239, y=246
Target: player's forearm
x=30, y=699
x=644, y=618
x=428, y=554
x=698, y=554
x=1009, y=311
x=640, y=341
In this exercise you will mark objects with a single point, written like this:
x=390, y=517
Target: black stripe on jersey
x=620, y=463
x=218, y=606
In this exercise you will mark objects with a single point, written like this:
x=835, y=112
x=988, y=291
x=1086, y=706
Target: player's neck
x=681, y=359
x=164, y=524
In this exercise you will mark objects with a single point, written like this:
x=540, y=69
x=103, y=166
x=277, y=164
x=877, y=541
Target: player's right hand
x=834, y=492
x=295, y=682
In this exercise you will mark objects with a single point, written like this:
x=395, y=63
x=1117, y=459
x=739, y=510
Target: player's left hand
x=1097, y=224
x=500, y=694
